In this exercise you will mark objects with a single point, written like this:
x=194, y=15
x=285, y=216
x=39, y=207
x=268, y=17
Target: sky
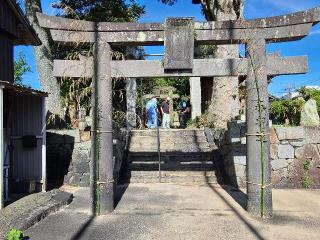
x=157, y=12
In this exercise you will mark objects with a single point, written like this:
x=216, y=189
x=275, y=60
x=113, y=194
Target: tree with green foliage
x=101, y=10
x=21, y=67
x=286, y=111
x=77, y=92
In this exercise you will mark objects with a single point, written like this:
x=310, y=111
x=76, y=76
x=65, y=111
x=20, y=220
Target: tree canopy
x=21, y=67
x=101, y=10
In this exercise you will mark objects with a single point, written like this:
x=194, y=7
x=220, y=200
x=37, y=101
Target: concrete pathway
x=167, y=211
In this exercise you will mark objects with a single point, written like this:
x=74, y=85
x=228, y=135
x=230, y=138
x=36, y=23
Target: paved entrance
x=167, y=211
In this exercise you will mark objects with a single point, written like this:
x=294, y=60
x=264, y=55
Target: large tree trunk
x=225, y=103
x=44, y=59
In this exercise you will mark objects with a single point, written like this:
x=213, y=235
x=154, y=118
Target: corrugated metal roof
x=22, y=90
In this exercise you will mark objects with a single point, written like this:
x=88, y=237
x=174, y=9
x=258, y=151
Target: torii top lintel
x=273, y=29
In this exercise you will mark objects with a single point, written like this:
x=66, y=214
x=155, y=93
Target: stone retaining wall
x=68, y=156
x=294, y=152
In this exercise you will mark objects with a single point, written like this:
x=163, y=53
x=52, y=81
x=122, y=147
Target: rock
x=297, y=143
x=307, y=151
x=81, y=167
x=312, y=134
x=309, y=114
x=285, y=151
x=27, y=211
x=290, y=133
x=274, y=151
x=273, y=136
x=280, y=163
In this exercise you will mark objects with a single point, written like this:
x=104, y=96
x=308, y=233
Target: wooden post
x=102, y=149
x=1, y=150
x=258, y=159
x=44, y=149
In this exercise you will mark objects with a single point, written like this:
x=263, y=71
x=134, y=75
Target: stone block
x=83, y=145
x=285, y=151
x=309, y=114
x=75, y=179
x=307, y=151
x=297, y=143
x=312, y=134
x=80, y=156
x=273, y=136
x=280, y=163
x=290, y=133
x=240, y=170
x=240, y=160
x=274, y=148
x=85, y=136
x=81, y=167
x=85, y=180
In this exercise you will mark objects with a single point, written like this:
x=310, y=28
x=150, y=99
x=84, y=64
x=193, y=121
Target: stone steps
x=169, y=156
x=168, y=133
x=186, y=157
x=182, y=177
x=170, y=147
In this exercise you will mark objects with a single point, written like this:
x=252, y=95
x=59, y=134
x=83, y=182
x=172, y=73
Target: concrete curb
x=29, y=210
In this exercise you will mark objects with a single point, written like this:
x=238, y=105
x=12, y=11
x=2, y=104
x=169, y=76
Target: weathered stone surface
x=307, y=151
x=273, y=136
x=75, y=179
x=285, y=151
x=81, y=167
x=280, y=163
x=240, y=170
x=29, y=210
x=312, y=134
x=274, y=151
x=297, y=143
x=290, y=133
x=309, y=114
x=179, y=43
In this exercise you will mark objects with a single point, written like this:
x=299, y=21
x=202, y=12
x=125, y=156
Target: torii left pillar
x=102, y=182
x=258, y=144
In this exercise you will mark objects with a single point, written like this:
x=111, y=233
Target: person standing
x=185, y=110
x=152, y=113
x=165, y=113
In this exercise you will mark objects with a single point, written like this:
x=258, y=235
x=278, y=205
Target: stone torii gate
x=179, y=35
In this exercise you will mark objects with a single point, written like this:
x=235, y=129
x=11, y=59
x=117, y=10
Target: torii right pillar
x=258, y=156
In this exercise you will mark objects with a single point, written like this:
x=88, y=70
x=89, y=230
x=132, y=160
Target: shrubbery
x=289, y=111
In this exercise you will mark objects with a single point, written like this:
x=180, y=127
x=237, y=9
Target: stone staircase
x=186, y=157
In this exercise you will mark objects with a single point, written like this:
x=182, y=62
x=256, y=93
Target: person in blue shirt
x=152, y=110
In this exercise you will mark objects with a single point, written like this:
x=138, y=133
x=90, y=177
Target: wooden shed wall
x=8, y=20
x=27, y=120
x=6, y=57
